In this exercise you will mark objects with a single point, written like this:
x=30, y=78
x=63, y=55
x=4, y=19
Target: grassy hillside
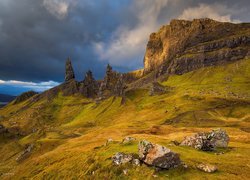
x=69, y=133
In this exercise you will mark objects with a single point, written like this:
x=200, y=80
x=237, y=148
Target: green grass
x=69, y=133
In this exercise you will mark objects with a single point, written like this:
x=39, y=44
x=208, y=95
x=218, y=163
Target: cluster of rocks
x=163, y=158
x=207, y=141
x=112, y=84
x=150, y=154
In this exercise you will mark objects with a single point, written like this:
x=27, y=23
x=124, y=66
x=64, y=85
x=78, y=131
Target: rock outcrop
x=69, y=72
x=157, y=155
x=157, y=89
x=207, y=141
x=89, y=86
x=24, y=96
x=183, y=46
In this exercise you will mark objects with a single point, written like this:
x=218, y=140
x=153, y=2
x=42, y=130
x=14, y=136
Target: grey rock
x=122, y=158
x=157, y=155
x=207, y=141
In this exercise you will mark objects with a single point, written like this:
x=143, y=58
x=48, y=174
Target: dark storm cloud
x=37, y=36
x=34, y=43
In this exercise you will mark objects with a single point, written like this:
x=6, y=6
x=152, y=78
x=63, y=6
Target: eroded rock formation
x=24, y=96
x=69, y=72
x=89, y=86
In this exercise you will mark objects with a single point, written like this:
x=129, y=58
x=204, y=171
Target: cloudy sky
x=36, y=36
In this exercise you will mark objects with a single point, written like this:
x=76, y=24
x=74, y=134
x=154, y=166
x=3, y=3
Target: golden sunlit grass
x=70, y=132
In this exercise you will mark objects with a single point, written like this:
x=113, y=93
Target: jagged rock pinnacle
x=69, y=72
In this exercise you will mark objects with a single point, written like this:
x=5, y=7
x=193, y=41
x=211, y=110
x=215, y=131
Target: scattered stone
x=26, y=153
x=207, y=168
x=110, y=140
x=157, y=89
x=122, y=158
x=128, y=140
x=155, y=176
x=125, y=171
x=136, y=162
x=157, y=155
x=69, y=72
x=207, y=141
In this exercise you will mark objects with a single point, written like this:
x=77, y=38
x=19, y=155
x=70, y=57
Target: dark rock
x=207, y=168
x=122, y=158
x=24, y=96
x=157, y=89
x=69, y=72
x=120, y=86
x=207, y=141
x=157, y=155
x=89, y=86
x=3, y=130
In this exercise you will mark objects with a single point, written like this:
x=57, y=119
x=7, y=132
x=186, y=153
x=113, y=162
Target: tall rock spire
x=69, y=72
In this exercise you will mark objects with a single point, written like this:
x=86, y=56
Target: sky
x=37, y=36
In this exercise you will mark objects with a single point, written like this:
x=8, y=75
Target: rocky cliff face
x=183, y=46
x=69, y=72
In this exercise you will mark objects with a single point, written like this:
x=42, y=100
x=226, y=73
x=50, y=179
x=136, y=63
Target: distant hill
x=6, y=98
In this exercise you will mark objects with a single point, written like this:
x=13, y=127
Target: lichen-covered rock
x=69, y=72
x=219, y=138
x=207, y=167
x=207, y=141
x=157, y=155
x=122, y=158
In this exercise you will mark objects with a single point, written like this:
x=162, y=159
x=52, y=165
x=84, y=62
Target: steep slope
x=183, y=46
x=69, y=132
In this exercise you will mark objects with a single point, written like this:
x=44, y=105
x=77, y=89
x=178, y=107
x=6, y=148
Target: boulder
x=219, y=138
x=122, y=158
x=207, y=141
x=157, y=155
x=207, y=167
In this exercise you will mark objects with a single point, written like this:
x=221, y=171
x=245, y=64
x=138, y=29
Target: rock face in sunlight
x=69, y=72
x=157, y=155
x=183, y=46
